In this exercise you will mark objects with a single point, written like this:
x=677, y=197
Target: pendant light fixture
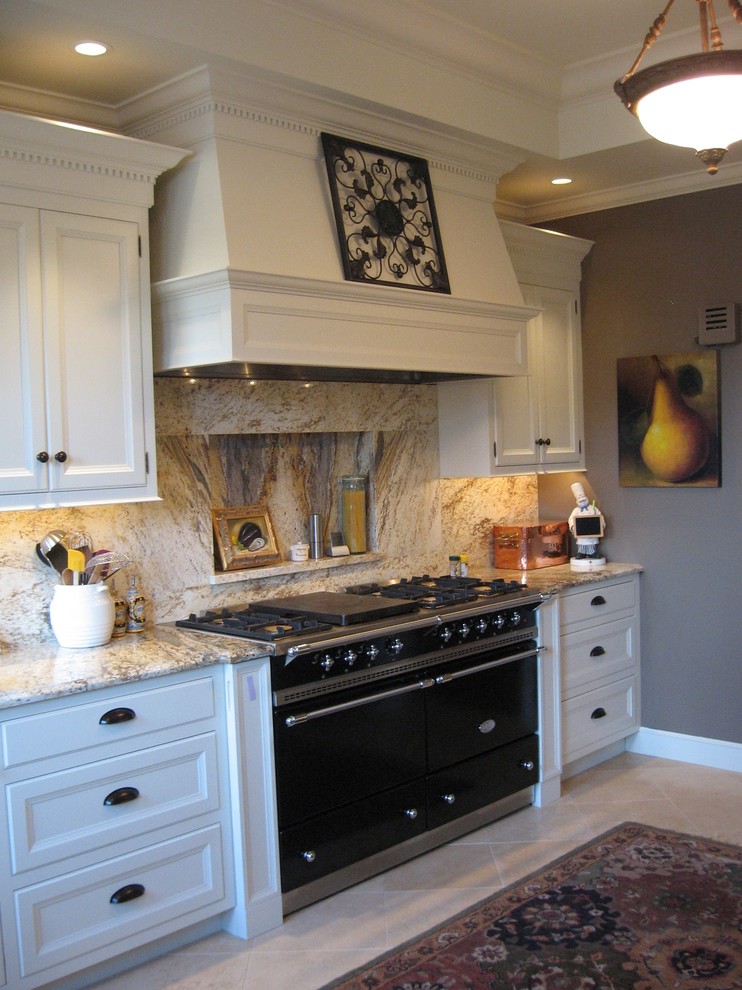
x=694, y=101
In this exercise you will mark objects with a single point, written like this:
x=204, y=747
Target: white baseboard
x=689, y=749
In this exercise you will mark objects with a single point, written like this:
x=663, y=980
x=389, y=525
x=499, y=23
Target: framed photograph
x=244, y=537
x=669, y=421
x=385, y=216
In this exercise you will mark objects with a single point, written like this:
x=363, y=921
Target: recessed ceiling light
x=561, y=181
x=92, y=48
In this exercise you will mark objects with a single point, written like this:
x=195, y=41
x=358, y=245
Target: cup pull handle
x=597, y=651
x=128, y=893
x=599, y=713
x=116, y=715
x=122, y=795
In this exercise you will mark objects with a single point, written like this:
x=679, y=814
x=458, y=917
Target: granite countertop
x=45, y=670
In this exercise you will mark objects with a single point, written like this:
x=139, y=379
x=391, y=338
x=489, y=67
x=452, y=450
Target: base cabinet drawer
x=482, y=780
x=598, y=718
x=335, y=840
x=599, y=603
x=78, y=915
x=86, y=808
x=601, y=652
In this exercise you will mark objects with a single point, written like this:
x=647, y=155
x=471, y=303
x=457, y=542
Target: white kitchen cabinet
x=76, y=391
x=599, y=660
x=119, y=823
x=534, y=422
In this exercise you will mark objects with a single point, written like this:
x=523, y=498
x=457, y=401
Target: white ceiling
x=545, y=69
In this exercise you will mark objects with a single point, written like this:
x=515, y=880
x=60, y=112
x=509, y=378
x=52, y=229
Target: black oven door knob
x=448, y=798
x=309, y=855
x=487, y=726
x=411, y=813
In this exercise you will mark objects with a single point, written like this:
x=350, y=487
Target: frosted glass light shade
x=693, y=102
x=703, y=112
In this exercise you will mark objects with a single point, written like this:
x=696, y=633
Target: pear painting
x=669, y=420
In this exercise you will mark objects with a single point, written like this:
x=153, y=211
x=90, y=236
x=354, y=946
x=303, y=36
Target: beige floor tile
x=301, y=970
x=517, y=859
x=181, y=971
x=450, y=866
x=561, y=820
x=409, y=913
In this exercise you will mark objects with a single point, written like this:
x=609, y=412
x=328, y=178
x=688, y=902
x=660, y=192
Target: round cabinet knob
x=411, y=813
x=60, y=456
x=448, y=798
x=527, y=765
x=487, y=726
x=42, y=456
x=309, y=855
x=327, y=663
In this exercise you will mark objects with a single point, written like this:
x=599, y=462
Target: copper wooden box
x=528, y=547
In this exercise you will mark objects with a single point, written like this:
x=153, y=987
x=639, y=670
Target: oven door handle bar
x=452, y=675
x=292, y=720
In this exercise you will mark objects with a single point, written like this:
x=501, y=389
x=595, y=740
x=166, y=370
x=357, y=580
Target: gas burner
x=250, y=623
x=436, y=592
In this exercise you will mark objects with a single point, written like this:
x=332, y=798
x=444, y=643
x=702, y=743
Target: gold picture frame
x=243, y=537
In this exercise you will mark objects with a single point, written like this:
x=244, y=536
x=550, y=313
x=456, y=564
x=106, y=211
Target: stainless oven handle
x=452, y=675
x=292, y=720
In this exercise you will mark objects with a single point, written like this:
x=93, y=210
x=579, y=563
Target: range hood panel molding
x=248, y=268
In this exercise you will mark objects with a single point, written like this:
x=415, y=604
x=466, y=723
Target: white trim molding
x=718, y=753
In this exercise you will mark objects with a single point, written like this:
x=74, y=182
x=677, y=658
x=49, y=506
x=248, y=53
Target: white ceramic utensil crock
x=82, y=615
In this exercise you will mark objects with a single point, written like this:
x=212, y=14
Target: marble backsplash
x=282, y=444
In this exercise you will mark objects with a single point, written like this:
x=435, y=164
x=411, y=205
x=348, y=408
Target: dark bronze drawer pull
x=128, y=893
x=121, y=796
x=117, y=715
x=599, y=713
x=597, y=651
x=598, y=600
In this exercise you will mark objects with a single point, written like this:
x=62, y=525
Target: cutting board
x=336, y=607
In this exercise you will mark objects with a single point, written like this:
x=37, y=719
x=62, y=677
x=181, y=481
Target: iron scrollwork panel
x=385, y=216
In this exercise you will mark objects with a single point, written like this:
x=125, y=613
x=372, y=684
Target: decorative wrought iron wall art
x=385, y=216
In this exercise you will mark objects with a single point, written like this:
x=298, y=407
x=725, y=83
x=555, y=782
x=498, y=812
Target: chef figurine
x=587, y=525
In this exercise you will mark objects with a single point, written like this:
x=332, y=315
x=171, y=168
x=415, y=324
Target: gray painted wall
x=651, y=268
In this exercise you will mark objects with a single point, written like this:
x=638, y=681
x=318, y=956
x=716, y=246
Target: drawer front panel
x=600, y=602
x=598, y=718
x=602, y=651
x=480, y=781
x=132, y=717
x=72, y=916
x=64, y=813
x=350, y=834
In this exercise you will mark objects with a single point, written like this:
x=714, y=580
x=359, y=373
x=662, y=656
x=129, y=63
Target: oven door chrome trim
x=291, y=720
x=465, y=671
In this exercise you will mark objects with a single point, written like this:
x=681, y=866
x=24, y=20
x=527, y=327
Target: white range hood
x=247, y=273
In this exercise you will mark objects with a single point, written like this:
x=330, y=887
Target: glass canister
x=353, y=512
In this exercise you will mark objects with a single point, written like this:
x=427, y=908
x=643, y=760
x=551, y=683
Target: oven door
x=351, y=747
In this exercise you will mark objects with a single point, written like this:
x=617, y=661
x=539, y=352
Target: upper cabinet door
x=23, y=447
x=93, y=351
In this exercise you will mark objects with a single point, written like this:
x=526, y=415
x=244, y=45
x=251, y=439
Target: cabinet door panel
x=22, y=401
x=93, y=342
x=561, y=382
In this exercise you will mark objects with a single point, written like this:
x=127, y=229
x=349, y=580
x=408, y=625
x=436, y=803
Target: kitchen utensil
x=104, y=564
x=76, y=563
x=52, y=551
x=79, y=540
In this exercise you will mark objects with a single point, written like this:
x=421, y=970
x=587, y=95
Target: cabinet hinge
x=139, y=239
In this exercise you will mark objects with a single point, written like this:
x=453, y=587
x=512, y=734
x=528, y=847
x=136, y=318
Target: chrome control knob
x=327, y=663
x=516, y=618
x=309, y=855
x=481, y=625
x=448, y=798
x=499, y=621
x=372, y=651
x=527, y=765
x=464, y=629
x=445, y=634
x=411, y=813
x=349, y=657
x=396, y=645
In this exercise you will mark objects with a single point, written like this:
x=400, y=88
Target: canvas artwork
x=669, y=429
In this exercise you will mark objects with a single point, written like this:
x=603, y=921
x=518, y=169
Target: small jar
x=135, y=608
x=454, y=565
x=120, y=613
x=464, y=565
x=353, y=512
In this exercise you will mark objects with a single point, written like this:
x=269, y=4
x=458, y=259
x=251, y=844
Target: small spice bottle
x=120, y=613
x=454, y=565
x=135, y=607
x=464, y=565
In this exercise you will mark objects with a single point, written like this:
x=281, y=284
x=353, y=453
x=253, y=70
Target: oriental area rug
x=635, y=909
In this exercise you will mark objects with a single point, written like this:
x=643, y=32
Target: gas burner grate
x=252, y=624
x=436, y=592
